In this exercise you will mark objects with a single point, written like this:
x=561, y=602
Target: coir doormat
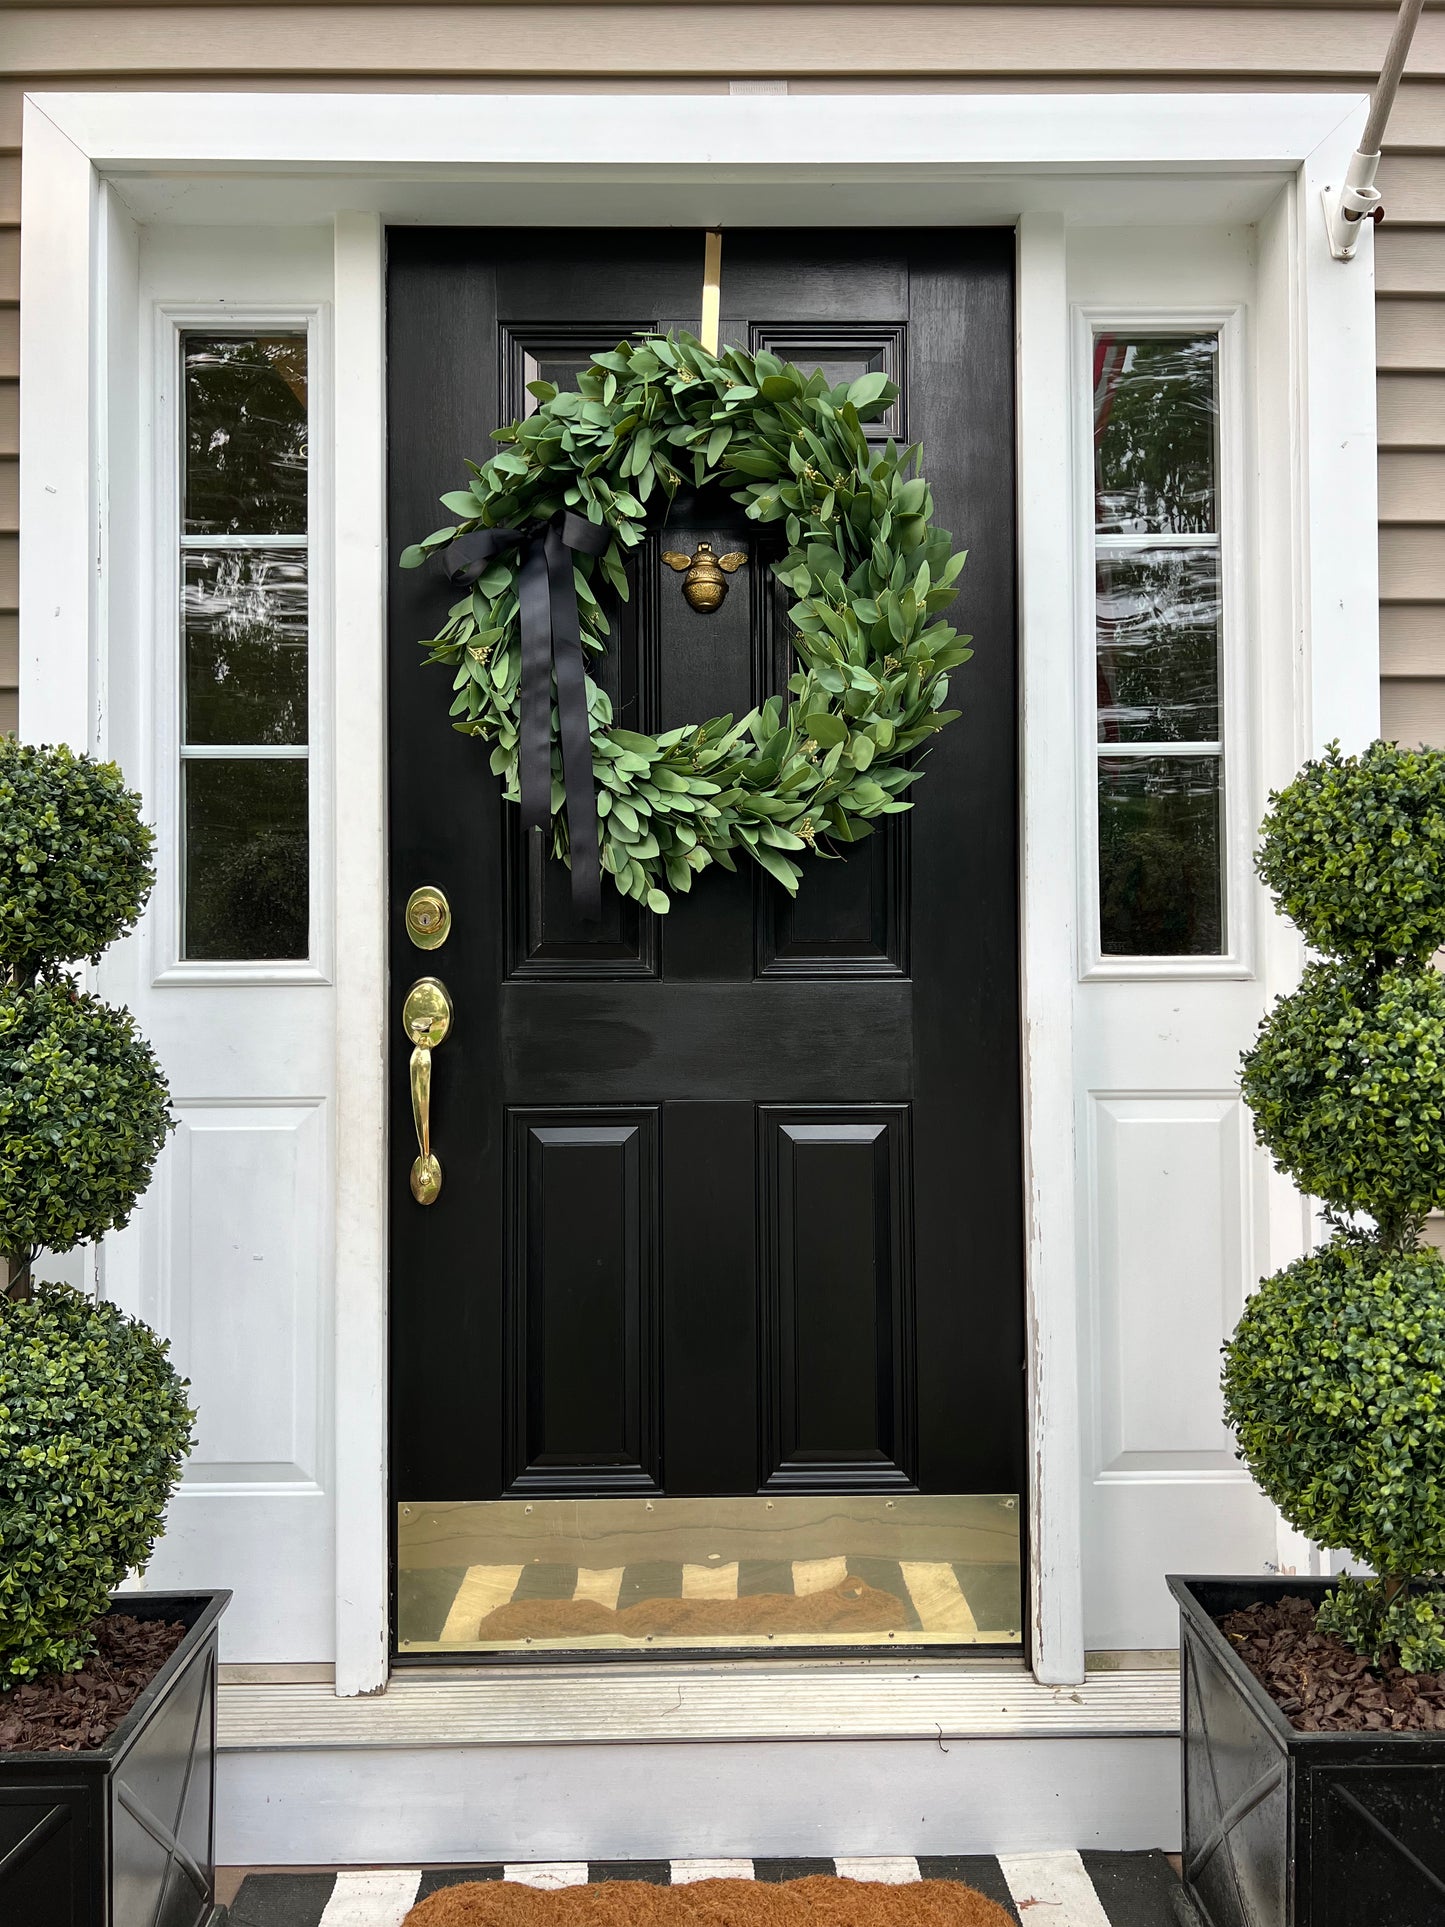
x=821, y=1900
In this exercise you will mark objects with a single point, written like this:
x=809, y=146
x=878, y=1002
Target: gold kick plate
x=428, y=917
x=426, y=1017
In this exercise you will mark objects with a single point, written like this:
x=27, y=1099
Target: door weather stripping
x=1358, y=200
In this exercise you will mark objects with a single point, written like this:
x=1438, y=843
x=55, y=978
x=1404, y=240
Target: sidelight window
x=1158, y=644
x=244, y=641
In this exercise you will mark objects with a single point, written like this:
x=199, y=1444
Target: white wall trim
x=362, y=158
x=513, y=134
x=1048, y=763
x=359, y=698
x=1338, y=457
x=60, y=487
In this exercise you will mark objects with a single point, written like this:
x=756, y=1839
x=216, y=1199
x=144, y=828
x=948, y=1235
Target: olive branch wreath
x=796, y=776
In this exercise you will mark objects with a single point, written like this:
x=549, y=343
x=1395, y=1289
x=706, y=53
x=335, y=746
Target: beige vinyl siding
x=819, y=46
x=9, y=419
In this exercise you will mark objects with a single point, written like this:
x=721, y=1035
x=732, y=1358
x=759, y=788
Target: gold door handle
x=426, y=1017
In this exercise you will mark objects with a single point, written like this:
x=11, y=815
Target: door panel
x=581, y=1327
x=732, y=1200
x=837, y=1352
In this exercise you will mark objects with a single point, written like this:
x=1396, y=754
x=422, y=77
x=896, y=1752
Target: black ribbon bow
x=551, y=646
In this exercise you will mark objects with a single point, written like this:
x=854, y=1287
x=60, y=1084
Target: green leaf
x=645, y=746
x=825, y=728
x=778, y=866
x=866, y=389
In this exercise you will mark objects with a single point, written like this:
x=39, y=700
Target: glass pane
x=245, y=626
x=1160, y=882
x=1156, y=421
x=247, y=887
x=245, y=435
x=1158, y=661
x=568, y=1575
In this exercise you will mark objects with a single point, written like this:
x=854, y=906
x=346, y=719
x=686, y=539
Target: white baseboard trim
x=411, y=1806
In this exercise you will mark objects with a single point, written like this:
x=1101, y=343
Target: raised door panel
x=838, y=1327
x=581, y=1327
x=1171, y=1182
x=244, y=1278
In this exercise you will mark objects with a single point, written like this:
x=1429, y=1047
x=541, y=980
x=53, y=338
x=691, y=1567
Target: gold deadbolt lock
x=428, y=917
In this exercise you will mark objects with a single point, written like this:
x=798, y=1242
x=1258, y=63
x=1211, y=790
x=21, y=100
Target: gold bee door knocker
x=705, y=581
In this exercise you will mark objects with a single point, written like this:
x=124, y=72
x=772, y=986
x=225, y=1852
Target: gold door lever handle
x=426, y=1016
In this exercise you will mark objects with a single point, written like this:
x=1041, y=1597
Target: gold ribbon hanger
x=711, y=289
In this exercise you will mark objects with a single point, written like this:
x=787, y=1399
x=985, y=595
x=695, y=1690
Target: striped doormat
x=1036, y=1889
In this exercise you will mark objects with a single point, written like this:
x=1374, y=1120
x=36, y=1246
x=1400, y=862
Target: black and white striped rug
x=1059, y=1889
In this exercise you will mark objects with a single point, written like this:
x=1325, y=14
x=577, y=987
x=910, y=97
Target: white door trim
x=356, y=161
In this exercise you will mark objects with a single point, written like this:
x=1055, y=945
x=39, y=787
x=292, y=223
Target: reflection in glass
x=245, y=435
x=245, y=627
x=1160, y=875
x=1157, y=612
x=568, y=1575
x=1156, y=420
x=247, y=890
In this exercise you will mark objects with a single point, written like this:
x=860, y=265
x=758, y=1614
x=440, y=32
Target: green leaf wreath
x=801, y=774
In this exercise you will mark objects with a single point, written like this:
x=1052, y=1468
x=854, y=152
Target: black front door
x=730, y=1228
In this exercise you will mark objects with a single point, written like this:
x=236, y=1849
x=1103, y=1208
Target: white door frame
x=92, y=162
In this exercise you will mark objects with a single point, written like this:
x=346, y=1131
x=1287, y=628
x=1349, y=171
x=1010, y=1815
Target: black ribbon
x=551, y=646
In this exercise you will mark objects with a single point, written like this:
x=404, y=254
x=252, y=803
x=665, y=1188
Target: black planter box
x=123, y=1836
x=1289, y=1829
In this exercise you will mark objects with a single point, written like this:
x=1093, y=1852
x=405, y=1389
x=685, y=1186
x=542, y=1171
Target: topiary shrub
x=83, y=1115
x=1354, y=851
x=1346, y=1081
x=1333, y=1383
x=75, y=857
x=1334, y=1380
x=94, y=1421
x=94, y=1426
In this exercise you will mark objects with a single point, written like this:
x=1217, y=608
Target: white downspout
x=1358, y=199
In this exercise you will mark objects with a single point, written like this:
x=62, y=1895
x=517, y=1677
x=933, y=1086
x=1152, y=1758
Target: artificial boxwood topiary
x=1346, y=1081
x=94, y=1424
x=1335, y=1385
x=1334, y=1380
x=75, y=857
x=83, y=1116
x=93, y=1417
x=1354, y=851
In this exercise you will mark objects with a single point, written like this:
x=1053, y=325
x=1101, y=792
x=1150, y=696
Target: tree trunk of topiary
x=17, y=1275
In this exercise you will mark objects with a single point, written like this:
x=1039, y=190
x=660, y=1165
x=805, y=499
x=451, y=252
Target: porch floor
x=1077, y=1890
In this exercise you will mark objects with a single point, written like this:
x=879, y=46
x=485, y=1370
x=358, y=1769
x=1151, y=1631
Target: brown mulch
x=847, y=1607
x=1320, y=1685
x=70, y=1712
x=822, y=1900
